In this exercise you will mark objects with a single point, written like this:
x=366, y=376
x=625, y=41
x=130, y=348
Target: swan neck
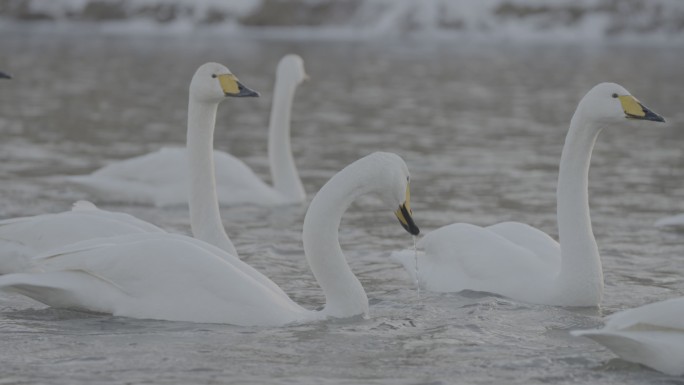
x=283, y=169
x=345, y=297
x=205, y=217
x=581, y=275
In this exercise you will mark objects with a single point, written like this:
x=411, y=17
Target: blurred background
x=580, y=20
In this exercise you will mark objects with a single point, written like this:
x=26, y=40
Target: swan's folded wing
x=530, y=238
x=663, y=315
x=478, y=253
x=70, y=289
x=661, y=350
x=174, y=277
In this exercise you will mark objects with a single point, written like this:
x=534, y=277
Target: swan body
x=518, y=261
x=673, y=221
x=652, y=335
x=178, y=278
x=22, y=238
x=155, y=178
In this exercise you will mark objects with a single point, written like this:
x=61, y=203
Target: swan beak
x=232, y=87
x=404, y=215
x=635, y=110
x=4, y=76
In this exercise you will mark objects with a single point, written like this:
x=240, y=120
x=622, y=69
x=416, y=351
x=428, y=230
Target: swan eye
x=214, y=76
x=615, y=96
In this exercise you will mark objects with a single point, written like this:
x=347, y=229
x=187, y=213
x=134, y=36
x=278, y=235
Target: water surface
x=480, y=126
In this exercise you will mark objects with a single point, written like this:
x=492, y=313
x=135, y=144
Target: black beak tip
x=410, y=225
x=4, y=76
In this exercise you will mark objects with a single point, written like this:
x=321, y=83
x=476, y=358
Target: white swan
x=160, y=178
x=519, y=261
x=178, y=278
x=23, y=238
x=673, y=221
x=652, y=335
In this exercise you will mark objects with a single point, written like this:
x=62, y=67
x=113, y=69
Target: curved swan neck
x=345, y=297
x=283, y=169
x=205, y=218
x=581, y=271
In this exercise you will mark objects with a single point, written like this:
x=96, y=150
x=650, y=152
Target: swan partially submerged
x=160, y=178
x=652, y=335
x=23, y=238
x=178, y=278
x=519, y=261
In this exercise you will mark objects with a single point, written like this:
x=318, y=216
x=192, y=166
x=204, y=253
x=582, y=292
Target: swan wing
x=538, y=242
x=461, y=256
x=23, y=238
x=238, y=184
x=668, y=314
x=161, y=276
x=652, y=335
x=673, y=221
x=159, y=178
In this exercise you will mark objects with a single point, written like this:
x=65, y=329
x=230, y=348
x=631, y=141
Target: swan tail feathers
x=71, y=289
x=661, y=351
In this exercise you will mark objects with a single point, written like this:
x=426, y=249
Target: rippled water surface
x=481, y=128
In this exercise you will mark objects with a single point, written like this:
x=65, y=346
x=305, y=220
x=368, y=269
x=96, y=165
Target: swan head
x=212, y=82
x=610, y=103
x=395, y=177
x=292, y=67
x=4, y=75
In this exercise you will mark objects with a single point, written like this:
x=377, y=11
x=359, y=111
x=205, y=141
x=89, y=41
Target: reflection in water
x=481, y=128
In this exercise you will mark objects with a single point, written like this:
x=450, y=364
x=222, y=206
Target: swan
x=155, y=178
x=652, y=335
x=23, y=238
x=676, y=221
x=521, y=262
x=178, y=278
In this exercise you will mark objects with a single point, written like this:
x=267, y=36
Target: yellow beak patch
x=631, y=106
x=229, y=84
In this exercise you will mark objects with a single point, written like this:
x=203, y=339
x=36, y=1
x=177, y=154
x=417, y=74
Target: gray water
x=481, y=127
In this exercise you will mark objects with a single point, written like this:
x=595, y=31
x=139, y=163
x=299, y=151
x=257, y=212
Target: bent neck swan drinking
x=178, y=278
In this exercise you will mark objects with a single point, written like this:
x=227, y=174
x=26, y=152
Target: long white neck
x=581, y=276
x=344, y=294
x=283, y=169
x=205, y=218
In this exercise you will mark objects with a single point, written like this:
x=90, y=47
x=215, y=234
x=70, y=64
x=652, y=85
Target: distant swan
x=673, y=221
x=160, y=178
x=178, y=278
x=519, y=261
x=652, y=335
x=23, y=238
